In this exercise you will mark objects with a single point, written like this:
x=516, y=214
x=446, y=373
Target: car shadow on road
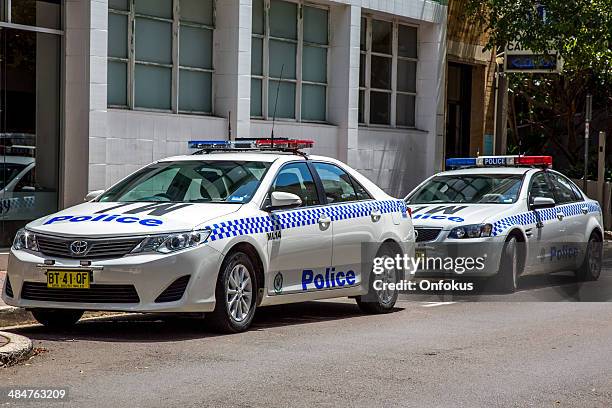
x=176, y=327
x=551, y=288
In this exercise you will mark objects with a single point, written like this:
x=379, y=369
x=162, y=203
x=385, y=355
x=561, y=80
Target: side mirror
x=27, y=188
x=542, y=202
x=93, y=194
x=282, y=200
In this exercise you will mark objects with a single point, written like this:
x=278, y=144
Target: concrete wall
x=120, y=141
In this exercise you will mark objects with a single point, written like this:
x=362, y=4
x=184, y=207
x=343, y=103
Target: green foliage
x=546, y=111
x=581, y=30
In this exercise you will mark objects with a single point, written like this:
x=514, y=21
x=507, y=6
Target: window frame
x=548, y=182
x=315, y=178
x=395, y=58
x=571, y=185
x=175, y=66
x=265, y=77
x=351, y=178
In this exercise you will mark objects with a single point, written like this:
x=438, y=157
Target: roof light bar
x=254, y=144
x=499, y=161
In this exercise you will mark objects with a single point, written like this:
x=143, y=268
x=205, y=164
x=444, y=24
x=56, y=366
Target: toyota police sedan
x=526, y=218
x=237, y=226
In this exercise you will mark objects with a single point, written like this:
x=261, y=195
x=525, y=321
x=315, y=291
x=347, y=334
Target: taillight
x=410, y=212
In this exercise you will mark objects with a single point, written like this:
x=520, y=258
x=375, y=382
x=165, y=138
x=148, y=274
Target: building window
x=290, y=44
x=387, y=73
x=160, y=55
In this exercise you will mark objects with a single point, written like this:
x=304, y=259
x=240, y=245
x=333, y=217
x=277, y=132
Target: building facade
x=470, y=86
x=93, y=90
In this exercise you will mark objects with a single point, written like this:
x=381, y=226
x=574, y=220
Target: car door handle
x=585, y=210
x=324, y=222
x=560, y=216
x=375, y=214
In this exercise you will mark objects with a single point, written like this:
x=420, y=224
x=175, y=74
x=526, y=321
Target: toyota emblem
x=78, y=247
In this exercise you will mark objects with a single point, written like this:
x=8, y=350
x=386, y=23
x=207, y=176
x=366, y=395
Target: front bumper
x=150, y=275
x=455, y=253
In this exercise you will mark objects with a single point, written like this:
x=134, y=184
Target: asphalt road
x=327, y=354
x=433, y=351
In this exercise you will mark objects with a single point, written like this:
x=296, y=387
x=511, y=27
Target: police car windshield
x=191, y=182
x=469, y=188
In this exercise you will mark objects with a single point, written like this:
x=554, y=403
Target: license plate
x=68, y=279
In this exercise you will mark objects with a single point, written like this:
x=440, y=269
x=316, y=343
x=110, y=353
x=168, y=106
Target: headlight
x=471, y=231
x=24, y=239
x=172, y=242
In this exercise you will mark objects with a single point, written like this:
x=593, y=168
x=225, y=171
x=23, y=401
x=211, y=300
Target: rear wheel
x=57, y=318
x=591, y=266
x=506, y=280
x=235, y=295
x=381, y=300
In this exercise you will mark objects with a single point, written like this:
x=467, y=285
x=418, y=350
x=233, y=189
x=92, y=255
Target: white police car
x=527, y=218
x=237, y=226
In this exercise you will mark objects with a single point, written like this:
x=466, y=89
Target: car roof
x=487, y=170
x=256, y=156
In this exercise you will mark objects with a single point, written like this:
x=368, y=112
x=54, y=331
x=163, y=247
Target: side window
x=540, y=187
x=361, y=192
x=337, y=184
x=295, y=178
x=27, y=182
x=563, y=189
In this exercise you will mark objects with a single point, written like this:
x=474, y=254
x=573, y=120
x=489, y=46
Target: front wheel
x=506, y=280
x=591, y=266
x=57, y=318
x=382, y=298
x=235, y=295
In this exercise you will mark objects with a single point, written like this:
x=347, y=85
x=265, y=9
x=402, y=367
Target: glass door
x=29, y=127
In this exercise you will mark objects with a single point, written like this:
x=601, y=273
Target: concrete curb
x=17, y=349
x=11, y=316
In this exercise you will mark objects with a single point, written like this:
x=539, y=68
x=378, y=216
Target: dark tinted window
x=564, y=191
x=469, y=188
x=540, y=187
x=191, y=181
x=361, y=192
x=295, y=178
x=337, y=184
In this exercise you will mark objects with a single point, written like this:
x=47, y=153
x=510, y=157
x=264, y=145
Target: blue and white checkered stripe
x=529, y=218
x=301, y=217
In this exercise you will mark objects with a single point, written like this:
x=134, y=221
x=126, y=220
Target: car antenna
x=229, y=125
x=276, y=105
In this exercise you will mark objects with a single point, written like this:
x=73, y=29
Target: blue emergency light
x=499, y=161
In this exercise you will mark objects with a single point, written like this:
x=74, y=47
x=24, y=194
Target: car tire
x=591, y=266
x=379, y=302
x=57, y=318
x=235, y=294
x=507, y=277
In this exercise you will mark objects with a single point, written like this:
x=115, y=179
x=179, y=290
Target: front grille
x=9, y=288
x=175, y=291
x=96, y=248
x=95, y=294
x=427, y=234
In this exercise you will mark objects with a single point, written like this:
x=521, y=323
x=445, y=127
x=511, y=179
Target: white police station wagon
x=238, y=225
x=527, y=218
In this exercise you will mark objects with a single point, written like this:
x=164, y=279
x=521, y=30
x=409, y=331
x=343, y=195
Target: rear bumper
x=116, y=281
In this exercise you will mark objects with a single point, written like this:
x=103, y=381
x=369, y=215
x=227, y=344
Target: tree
x=546, y=110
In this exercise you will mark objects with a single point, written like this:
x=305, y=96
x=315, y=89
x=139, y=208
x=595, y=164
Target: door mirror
x=282, y=200
x=93, y=194
x=27, y=188
x=538, y=203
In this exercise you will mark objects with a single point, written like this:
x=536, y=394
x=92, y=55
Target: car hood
x=451, y=215
x=95, y=219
